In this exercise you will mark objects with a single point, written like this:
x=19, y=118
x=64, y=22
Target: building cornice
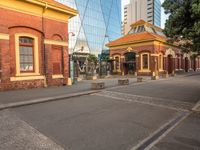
x=39, y=8
x=70, y=11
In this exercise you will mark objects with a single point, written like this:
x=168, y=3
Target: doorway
x=130, y=63
x=170, y=64
x=186, y=64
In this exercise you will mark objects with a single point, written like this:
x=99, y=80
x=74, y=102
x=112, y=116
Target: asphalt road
x=154, y=114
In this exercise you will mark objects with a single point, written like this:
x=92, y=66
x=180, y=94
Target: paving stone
x=18, y=135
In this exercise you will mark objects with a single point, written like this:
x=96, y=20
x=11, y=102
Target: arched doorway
x=129, y=63
x=170, y=63
x=186, y=64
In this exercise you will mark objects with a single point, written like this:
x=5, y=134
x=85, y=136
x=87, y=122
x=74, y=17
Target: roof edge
x=67, y=10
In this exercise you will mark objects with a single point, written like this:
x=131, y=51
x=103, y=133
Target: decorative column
x=47, y=61
x=122, y=65
x=5, y=69
x=154, y=62
x=138, y=64
x=65, y=65
x=180, y=62
x=173, y=65
x=164, y=63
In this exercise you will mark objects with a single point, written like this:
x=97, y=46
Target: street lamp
x=71, y=63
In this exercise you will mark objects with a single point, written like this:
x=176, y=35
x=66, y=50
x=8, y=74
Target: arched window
x=145, y=61
x=117, y=63
x=26, y=53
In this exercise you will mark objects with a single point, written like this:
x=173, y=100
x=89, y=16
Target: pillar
x=165, y=63
x=138, y=64
x=122, y=65
x=5, y=61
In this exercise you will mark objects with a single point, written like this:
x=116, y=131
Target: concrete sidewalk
x=16, y=96
x=9, y=99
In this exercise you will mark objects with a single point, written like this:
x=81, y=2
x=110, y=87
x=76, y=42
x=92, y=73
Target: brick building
x=33, y=43
x=145, y=51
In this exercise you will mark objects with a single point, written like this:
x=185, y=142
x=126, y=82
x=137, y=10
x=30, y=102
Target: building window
x=27, y=55
x=57, y=60
x=26, y=46
x=117, y=63
x=145, y=61
x=140, y=29
x=160, y=62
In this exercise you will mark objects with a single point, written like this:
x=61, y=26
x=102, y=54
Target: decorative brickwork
x=15, y=23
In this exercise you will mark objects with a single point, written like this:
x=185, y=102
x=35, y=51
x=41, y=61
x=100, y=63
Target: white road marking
x=157, y=131
x=160, y=99
x=166, y=132
x=197, y=106
x=142, y=102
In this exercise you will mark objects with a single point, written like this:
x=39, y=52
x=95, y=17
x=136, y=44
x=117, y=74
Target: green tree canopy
x=183, y=25
x=92, y=58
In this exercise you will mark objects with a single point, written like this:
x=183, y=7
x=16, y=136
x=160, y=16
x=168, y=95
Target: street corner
x=18, y=135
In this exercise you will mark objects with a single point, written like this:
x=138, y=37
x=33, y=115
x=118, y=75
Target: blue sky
x=163, y=16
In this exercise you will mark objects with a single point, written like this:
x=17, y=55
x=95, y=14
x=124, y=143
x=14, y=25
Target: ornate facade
x=145, y=51
x=33, y=43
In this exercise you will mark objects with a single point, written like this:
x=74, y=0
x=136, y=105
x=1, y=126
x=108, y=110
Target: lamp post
x=71, y=63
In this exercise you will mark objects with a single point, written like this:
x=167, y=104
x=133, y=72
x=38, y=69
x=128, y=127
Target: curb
x=54, y=98
x=46, y=99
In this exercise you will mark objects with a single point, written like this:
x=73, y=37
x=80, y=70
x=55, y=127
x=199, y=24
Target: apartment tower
x=147, y=10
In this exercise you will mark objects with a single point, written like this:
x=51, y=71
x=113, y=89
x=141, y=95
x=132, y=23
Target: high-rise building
x=147, y=10
x=98, y=22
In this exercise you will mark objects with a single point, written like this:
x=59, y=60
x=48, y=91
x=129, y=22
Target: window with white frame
x=26, y=53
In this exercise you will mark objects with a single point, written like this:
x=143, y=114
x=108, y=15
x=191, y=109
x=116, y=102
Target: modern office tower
x=98, y=22
x=147, y=10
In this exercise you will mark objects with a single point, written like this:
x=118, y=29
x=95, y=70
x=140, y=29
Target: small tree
x=92, y=58
x=91, y=64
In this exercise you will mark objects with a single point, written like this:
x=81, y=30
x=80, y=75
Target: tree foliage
x=92, y=58
x=183, y=24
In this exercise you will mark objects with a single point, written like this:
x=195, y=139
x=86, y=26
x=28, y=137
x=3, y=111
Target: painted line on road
x=196, y=107
x=117, y=98
x=142, y=102
x=161, y=99
x=159, y=134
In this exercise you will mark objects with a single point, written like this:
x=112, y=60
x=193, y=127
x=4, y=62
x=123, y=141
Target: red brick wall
x=152, y=49
x=12, y=22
